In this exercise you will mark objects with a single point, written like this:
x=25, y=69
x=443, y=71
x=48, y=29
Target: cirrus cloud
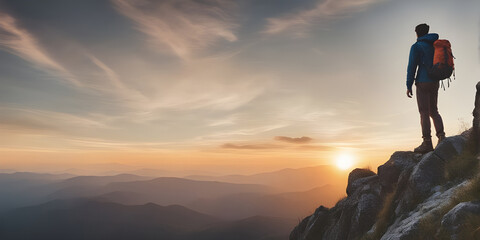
x=184, y=27
x=20, y=42
x=300, y=22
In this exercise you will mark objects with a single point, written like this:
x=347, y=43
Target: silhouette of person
x=421, y=56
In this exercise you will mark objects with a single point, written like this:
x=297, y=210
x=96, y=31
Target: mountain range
x=258, y=206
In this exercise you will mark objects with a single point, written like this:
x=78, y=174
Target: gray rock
x=406, y=225
x=455, y=220
x=340, y=223
x=366, y=184
x=351, y=217
x=366, y=212
x=355, y=215
x=429, y=172
x=298, y=231
x=450, y=147
x=316, y=223
x=311, y=226
x=356, y=174
x=398, y=163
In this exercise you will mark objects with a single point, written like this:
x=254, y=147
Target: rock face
x=355, y=175
x=475, y=133
x=351, y=216
x=419, y=188
x=429, y=172
x=399, y=163
x=456, y=219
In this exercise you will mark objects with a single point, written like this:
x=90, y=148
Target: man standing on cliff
x=421, y=56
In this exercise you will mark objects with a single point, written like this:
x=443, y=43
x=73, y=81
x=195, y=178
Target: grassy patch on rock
x=463, y=166
x=431, y=224
x=384, y=218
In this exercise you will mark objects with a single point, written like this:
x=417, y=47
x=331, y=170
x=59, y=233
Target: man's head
x=422, y=29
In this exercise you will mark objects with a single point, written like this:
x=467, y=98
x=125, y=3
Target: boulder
x=356, y=174
x=429, y=172
x=351, y=217
x=398, y=163
x=456, y=220
x=311, y=226
x=451, y=147
x=366, y=212
x=410, y=224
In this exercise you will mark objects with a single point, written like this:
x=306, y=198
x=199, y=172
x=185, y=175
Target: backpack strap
x=423, y=55
x=449, y=80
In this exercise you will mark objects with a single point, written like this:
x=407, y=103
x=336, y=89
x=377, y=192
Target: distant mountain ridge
x=300, y=179
x=163, y=190
x=88, y=219
x=288, y=205
x=102, y=180
x=249, y=210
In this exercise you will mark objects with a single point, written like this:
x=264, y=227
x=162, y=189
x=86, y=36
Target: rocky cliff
x=412, y=196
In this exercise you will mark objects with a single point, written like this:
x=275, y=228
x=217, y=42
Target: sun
x=345, y=161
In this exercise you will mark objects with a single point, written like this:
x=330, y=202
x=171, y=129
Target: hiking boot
x=425, y=147
x=440, y=139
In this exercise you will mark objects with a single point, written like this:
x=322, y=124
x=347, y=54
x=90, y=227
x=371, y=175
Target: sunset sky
x=220, y=86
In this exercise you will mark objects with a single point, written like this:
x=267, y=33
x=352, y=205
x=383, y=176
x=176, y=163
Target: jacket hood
x=430, y=38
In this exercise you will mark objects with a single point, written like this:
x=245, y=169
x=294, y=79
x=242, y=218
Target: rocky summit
x=413, y=196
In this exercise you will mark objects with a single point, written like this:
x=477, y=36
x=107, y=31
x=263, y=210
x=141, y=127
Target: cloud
x=317, y=147
x=184, y=27
x=300, y=22
x=116, y=87
x=99, y=143
x=249, y=146
x=227, y=121
x=21, y=43
x=299, y=140
x=264, y=146
x=228, y=134
x=32, y=121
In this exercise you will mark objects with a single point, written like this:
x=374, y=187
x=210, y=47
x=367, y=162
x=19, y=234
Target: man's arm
x=413, y=61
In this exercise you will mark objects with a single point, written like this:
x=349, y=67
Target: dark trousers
x=427, y=95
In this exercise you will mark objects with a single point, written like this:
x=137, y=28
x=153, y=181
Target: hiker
x=421, y=56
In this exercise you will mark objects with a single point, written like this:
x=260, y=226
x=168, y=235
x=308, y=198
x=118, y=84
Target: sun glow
x=345, y=161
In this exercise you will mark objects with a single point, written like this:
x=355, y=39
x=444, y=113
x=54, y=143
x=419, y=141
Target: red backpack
x=443, y=66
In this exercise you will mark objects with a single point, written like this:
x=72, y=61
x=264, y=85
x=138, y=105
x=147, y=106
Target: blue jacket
x=421, y=56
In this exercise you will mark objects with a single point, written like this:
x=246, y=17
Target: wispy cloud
x=300, y=22
x=185, y=26
x=32, y=121
x=201, y=86
x=243, y=132
x=293, y=139
x=249, y=146
x=99, y=143
x=324, y=147
x=227, y=121
x=318, y=147
x=116, y=87
x=20, y=42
